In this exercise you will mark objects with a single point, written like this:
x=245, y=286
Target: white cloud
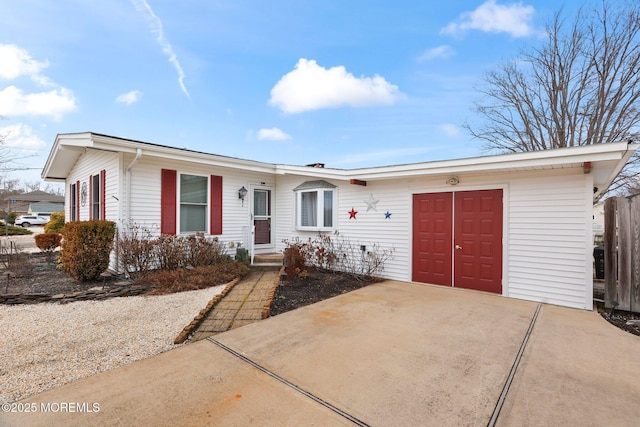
x=273, y=134
x=444, y=51
x=514, y=19
x=312, y=87
x=16, y=62
x=55, y=103
x=130, y=97
x=22, y=136
x=156, y=27
x=449, y=129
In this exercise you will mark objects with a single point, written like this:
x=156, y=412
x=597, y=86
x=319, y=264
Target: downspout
x=127, y=178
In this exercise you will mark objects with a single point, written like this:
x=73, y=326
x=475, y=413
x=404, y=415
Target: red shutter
x=77, y=200
x=168, y=201
x=91, y=198
x=103, y=194
x=215, y=205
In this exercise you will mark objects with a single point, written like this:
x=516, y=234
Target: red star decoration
x=352, y=214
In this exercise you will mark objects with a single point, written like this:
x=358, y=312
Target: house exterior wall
x=145, y=191
x=547, y=216
x=546, y=227
x=91, y=163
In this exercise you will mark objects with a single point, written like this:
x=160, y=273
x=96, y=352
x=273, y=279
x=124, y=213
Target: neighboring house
x=598, y=223
x=45, y=209
x=519, y=225
x=22, y=204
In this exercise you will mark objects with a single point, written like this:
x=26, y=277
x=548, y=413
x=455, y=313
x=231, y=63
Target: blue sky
x=347, y=83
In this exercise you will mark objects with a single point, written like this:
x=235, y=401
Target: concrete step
x=275, y=259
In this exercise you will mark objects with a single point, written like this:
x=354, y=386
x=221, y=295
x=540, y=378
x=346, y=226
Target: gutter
x=127, y=178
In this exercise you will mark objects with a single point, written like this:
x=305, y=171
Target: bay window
x=315, y=206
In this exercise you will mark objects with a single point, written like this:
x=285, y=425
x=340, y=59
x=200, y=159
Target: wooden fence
x=622, y=253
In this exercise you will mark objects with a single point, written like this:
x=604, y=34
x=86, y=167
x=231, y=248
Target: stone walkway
x=247, y=302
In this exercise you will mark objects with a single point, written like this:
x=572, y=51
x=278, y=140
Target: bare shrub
x=15, y=263
x=336, y=253
x=183, y=279
x=135, y=250
x=170, y=252
x=296, y=258
x=201, y=252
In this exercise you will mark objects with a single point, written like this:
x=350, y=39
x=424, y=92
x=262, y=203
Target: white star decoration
x=371, y=203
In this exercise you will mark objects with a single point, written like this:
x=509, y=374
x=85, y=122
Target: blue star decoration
x=387, y=215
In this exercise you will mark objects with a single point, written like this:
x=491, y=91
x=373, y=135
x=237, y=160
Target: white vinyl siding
x=547, y=229
x=366, y=229
x=145, y=193
x=90, y=164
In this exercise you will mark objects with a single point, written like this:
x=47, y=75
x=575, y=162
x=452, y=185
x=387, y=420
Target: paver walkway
x=247, y=302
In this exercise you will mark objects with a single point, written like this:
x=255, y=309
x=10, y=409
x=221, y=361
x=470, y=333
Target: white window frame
x=96, y=197
x=320, y=209
x=179, y=204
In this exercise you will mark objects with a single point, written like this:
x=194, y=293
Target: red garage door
x=457, y=239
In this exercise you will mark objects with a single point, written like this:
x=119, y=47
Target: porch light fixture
x=242, y=192
x=454, y=180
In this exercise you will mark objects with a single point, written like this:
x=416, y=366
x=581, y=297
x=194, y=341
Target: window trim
x=320, y=217
x=95, y=199
x=73, y=202
x=179, y=203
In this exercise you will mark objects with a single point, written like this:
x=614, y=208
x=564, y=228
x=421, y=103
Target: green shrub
x=48, y=242
x=11, y=217
x=55, y=224
x=86, y=248
x=13, y=231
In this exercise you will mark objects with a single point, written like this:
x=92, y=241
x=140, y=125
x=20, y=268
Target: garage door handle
x=458, y=247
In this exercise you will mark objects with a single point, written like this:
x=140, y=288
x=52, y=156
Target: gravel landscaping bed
x=47, y=345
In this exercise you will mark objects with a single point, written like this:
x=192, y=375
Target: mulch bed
x=317, y=286
x=619, y=318
x=39, y=273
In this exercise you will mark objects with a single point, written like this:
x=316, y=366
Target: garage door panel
x=432, y=216
x=472, y=220
x=478, y=225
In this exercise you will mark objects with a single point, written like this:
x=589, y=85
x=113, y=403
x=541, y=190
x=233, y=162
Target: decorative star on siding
x=371, y=203
x=387, y=215
x=352, y=214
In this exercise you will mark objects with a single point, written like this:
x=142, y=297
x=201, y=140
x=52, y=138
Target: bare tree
x=580, y=87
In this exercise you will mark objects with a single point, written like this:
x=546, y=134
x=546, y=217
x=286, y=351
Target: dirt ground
x=38, y=273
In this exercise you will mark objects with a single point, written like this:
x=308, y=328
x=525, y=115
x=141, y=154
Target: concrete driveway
x=393, y=353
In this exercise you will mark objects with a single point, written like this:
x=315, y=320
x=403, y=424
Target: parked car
x=27, y=220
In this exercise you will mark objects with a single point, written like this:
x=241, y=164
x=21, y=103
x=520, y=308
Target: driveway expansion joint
x=277, y=377
x=514, y=368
